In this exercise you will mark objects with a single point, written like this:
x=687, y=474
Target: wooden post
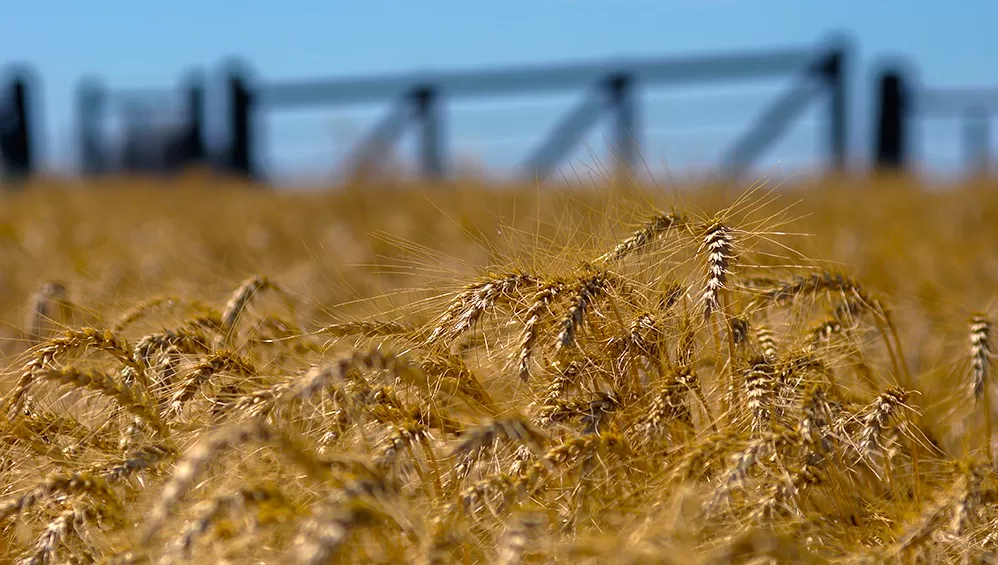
x=620, y=90
x=892, y=116
x=834, y=71
x=193, y=152
x=977, y=140
x=90, y=102
x=426, y=101
x=241, y=134
x=16, y=143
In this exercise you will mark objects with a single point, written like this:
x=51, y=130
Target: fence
x=901, y=105
x=164, y=130
x=611, y=88
x=141, y=130
x=16, y=134
x=419, y=101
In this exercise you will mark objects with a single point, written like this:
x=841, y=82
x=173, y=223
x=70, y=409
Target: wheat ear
x=718, y=243
x=540, y=302
x=653, y=229
x=49, y=306
x=586, y=292
x=518, y=536
x=106, y=385
x=980, y=364
x=469, y=306
x=760, y=391
x=223, y=361
x=196, y=461
x=325, y=532
x=75, y=483
x=85, y=339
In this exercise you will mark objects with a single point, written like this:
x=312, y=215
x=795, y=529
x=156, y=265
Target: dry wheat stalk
x=45, y=356
x=75, y=483
x=642, y=345
x=540, y=302
x=739, y=329
x=877, y=417
x=757, y=450
x=585, y=293
x=490, y=493
x=766, y=340
x=400, y=438
x=784, y=497
x=220, y=362
x=969, y=498
x=812, y=284
x=241, y=298
x=189, y=339
x=49, y=307
x=474, y=441
x=669, y=405
x=518, y=535
x=932, y=520
x=760, y=392
x=718, y=243
x=134, y=401
x=140, y=310
x=330, y=525
x=841, y=318
x=140, y=459
x=980, y=354
x=219, y=506
x=652, y=229
x=196, y=461
x=68, y=522
x=591, y=411
x=327, y=377
x=468, y=306
x=366, y=328
x=816, y=418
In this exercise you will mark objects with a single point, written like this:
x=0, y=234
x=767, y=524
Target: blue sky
x=133, y=44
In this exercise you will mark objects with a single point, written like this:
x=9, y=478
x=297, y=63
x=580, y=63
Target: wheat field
x=769, y=373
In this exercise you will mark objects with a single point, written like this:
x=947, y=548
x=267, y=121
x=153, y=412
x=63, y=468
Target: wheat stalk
x=65, y=484
x=980, y=363
x=466, y=309
x=107, y=385
x=651, y=230
x=718, y=244
x=528, y=340
x=49, y=306
x=196, y=461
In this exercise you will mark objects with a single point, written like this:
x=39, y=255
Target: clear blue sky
x=153, y=43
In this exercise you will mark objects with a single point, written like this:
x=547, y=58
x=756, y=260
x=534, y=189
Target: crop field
x=765, y=373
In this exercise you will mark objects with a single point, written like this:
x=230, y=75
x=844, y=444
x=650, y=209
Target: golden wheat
x=700, y=392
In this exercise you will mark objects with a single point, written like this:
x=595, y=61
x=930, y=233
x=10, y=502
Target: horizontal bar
x=948, y=102
x=124, y=96
x=491, y=82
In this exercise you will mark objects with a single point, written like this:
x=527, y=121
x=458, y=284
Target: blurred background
x=308, y=93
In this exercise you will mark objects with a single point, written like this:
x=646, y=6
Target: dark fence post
x=134, y=151
x=16, y=140
x=90, y=100
x=892, y=116
x=193, y=132
x=426, y=99
x=240, y=125
x=624, y=105
x=977, y=140
x=834, y=72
